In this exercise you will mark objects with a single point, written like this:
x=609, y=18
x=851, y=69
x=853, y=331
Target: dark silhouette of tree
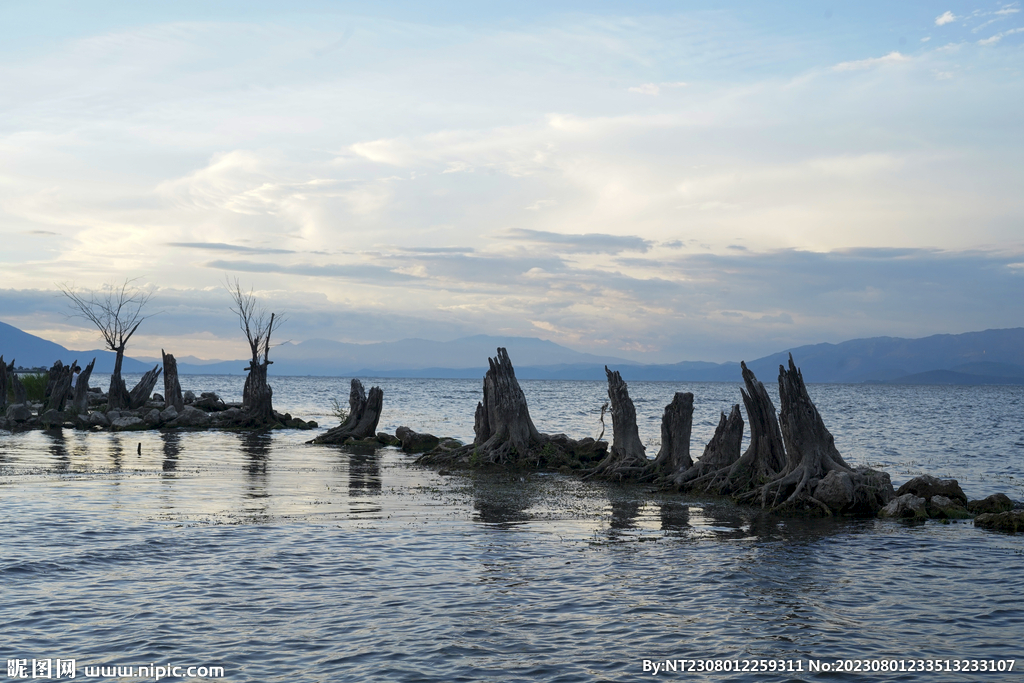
x=257, y=396
x=117, y=312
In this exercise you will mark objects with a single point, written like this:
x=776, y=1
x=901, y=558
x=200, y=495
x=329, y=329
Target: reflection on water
x=171, y=450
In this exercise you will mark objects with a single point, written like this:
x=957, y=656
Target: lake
x=282, y=561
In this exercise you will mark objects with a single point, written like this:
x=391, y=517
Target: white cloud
x=872, y=62
x=999, y=36
x=926, y=39
x=655, y=88
x=945, y=18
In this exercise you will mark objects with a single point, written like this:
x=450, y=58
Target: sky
x=659, y=181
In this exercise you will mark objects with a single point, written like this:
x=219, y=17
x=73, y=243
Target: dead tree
x=4, y=382
x=764, y=458
x=257, y=395
x=80, y=394
x=627, y=457
x=142, y=391
x=20, y=395
x=58, y=386
x=719, y=455
x=816, y=479
x=676, y=427
x=363, y=416
x=117, y=314
x=172, y=389
x=506, y=435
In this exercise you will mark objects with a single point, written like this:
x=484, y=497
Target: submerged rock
x=941, y=507
x=388, y=440
x=414, y=442
x=906, y=506
x=994, y=504
x=1012, y=520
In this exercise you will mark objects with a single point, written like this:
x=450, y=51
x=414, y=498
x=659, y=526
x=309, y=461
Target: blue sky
x=660, y=181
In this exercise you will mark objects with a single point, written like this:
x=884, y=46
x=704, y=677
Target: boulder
x=191, y=417
x=158, y=397
x=169, y=413
x=835, y=490
x=210, y=402
x=906, y=506
x=388, y=440
x=98, y=420
x=1012, y=520
x=128, y=423
x=52, y=417
x=113, y=415
x=152, y=418
x=19, y=412
x=189, y=397
x=927, y=486
x=414, y=442
x=994, y=504
x=941, y=507
x=4, y=424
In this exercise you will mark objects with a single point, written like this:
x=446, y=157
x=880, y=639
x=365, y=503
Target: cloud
x=872, y=62
x=372, y=274
x=589, y=243
x=655, y=88
x=999, y=36
x=945, y=18
x=220, y=246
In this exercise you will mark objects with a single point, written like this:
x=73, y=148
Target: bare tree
x=116, y=311
x=257, y=396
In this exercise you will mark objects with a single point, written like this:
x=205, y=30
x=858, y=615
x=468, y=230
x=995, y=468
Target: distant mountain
x=989, y=357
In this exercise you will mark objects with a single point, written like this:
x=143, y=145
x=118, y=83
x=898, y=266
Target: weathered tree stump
x=58, y=387
x=20, y=394
x=141, y=392
x=172, y=389
x=676, y=427
x=4, y=382
x=712, y=470
x=816, y=479
x=363, y=415
x=257, y=395
x=505, y=433
x=80, y=394
x=627, y=457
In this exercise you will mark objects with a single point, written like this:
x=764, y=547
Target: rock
x=98, y=420
x=191, y=417
x=941, y=507
x=229, y=415
x=158, y=397
x=448, y=443
x=127, y=423
x=189, y=397
x=996, y=503
x=113, y=415
x=1012, y=520
x=169, y=413
x=152, y=418
x=52, y=417
x=414, y=442
x=927, y=486
x=906, y=506
x=388, y=440
x=835, y=490
x=210, y=402
x=19, y=412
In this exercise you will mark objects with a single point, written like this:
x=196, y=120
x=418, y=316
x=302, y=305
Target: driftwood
x=363, y=415
x=80, y=394
x=676, y=427
x=627, y=457
x=142, y=391
x=816, y=479
x=172, y=389
x=506, y=435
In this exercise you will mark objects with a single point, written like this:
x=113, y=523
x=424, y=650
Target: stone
x=414, y=442
x=169, y=413
x=1012, y=520
x=994, y=504
x=189, y=397
x=906, y=506
x=127, y=423
x=448, y=444
x=927, y=486
x=52, y=417
x=152, y=418
x=98, y=420
x=158, y=397
x=19, y=412
x=191, y=417
x=835, y=490
x=388, y=439
x=113, y=415
x=210, y=402
x=942, y=507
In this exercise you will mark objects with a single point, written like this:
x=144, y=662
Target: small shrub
x=337, y=411
x=35, y=386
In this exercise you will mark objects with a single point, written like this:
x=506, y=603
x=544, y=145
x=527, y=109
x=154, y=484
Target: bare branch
x=116, y=311
x=253, y=320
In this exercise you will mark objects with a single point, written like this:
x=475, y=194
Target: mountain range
x=987, y=357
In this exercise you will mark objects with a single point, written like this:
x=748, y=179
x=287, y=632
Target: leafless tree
x=117, y=312
x=257, y=396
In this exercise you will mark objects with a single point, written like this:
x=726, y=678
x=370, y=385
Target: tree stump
x=80, y=394
x=627, y=457
x=363, y=415
x=142, y=391
x=816, y=479
x=20, y=394
x=58, y=387
x=3, y=383
x=722, y=451
x=172, y=389
x=505, y=433
x=676, y=427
